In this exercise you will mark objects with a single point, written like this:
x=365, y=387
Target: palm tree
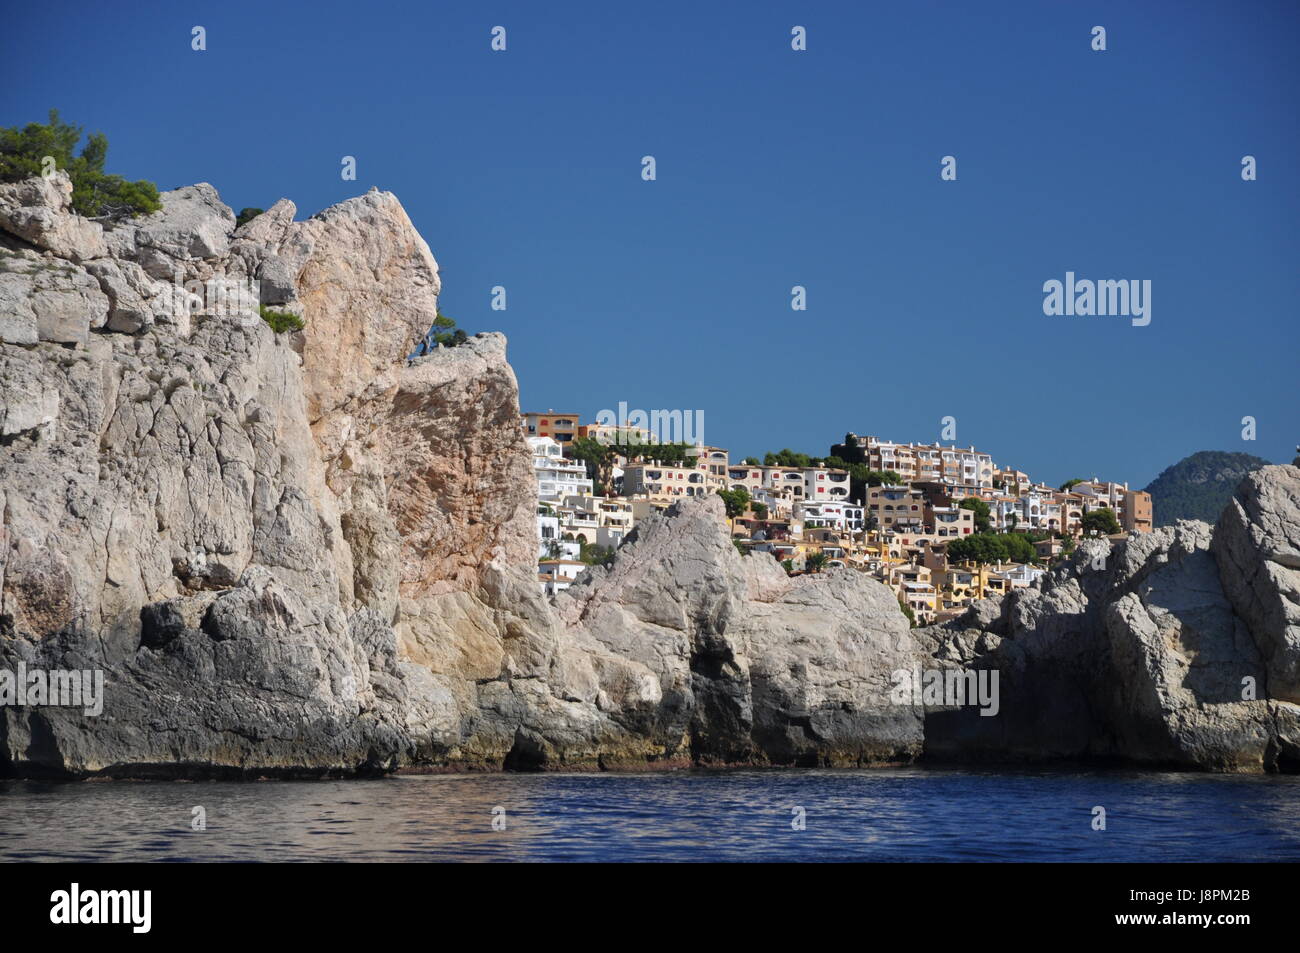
x=815, y=562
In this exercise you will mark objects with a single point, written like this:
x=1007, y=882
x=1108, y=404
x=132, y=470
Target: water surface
x=912, y=814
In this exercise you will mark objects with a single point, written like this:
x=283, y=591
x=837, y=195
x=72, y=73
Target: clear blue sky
x=775, y=168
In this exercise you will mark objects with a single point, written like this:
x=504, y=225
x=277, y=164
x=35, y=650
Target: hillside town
x=942, y=526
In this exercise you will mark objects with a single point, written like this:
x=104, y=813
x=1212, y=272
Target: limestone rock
x=1257, y=544
x=370, y=285
x=1129, y=652
x=192, y=223
x=799, y=675
x=38, y=210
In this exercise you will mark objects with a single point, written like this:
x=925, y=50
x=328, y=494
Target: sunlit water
x=886, y=815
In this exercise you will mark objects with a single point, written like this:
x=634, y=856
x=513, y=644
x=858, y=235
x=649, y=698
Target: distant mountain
x=1199, y=487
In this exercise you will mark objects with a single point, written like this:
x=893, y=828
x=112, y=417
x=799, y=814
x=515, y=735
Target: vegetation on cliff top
x=40, y=148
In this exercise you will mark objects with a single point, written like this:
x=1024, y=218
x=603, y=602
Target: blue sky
x=775, y=168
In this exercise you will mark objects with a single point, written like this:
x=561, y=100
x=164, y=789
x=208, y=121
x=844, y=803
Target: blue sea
x=913, y=814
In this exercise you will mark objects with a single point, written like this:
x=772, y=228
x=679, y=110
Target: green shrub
x=247, y=215
x=280, y=321
x=95, y=193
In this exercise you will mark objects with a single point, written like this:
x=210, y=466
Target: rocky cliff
x=302, y=554
x=1176, y=648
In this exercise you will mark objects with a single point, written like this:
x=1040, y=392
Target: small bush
x=280, y=321
x=444, y=333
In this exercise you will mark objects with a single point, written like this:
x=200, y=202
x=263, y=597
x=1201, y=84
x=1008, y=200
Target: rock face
x=752, y=666
x=304, y=554
x=37, y=210
x=1257, y=544
x=1130, y=652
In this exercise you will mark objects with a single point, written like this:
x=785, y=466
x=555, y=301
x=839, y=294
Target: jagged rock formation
x=1138, y=652
x=752, y=666
x=301, y=554
x=1257, y=545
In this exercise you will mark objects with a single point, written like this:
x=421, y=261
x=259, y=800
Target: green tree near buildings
x=788, y=458
x=815, y=562
x=1100, y=522
x=599, y=458
x=992, y=548
x=1070, y=484
x=29, y=151
x=981, y=511
x=1020, y=548
x=736, y=501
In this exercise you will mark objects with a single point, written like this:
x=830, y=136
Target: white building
x=552, y=583
x=550, y=539
x=823, y=483
x=848, y=517
x=556, y=476
x=1018, y=576
x=564, y=568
